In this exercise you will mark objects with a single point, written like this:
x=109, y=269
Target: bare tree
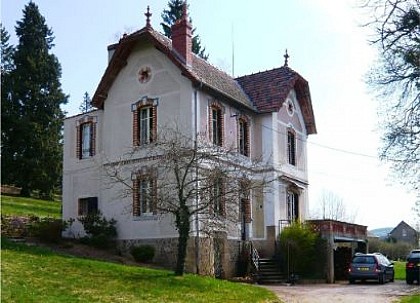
x=195, y=182
x=396, y=76
x=331, y=206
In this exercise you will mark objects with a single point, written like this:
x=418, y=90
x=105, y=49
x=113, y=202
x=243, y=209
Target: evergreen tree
x=8, y=112
x=86, y=105
x=35, y=153
x=170, y=16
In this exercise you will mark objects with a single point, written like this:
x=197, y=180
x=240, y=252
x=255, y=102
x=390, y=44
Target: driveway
x=343, y=292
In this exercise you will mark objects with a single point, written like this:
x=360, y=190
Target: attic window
x=290, y=107
x=144, y=74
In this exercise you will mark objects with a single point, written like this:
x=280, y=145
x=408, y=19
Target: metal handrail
x=255, y=256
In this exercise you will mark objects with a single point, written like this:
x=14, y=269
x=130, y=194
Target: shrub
x=393, y=250
x=301, y=250
x=101, y=232
x=143, y=253
x=47, y=229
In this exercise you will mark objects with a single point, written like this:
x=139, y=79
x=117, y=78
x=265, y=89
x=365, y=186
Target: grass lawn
x=19, y=206
x=399, y=268
x=34, y=274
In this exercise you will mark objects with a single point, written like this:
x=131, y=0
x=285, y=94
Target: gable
x=269, y=90
x=202, y=74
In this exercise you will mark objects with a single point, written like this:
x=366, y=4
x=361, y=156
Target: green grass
x=19, y=206
x=399, y=268
x=411, y=299
x=33, y=274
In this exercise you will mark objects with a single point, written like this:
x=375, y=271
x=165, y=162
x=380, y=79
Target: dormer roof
x=269, y=89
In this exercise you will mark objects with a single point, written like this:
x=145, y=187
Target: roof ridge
x=268, y=70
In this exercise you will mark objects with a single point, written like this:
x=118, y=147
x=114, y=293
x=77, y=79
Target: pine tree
x=35, y=153
x=86, y=104
x=8, y=111
x=170, y=16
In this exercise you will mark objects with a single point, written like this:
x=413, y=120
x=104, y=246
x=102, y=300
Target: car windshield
x=364, y=260
x=414, y=255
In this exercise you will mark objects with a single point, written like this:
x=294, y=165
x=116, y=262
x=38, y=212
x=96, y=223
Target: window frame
x=216, y=124
x=291, y=147
x=243, y=136
x=144, y=206
x=292, y=205
x=82, y=124
x=217, y=194
x=87, y=206
x=149, y=106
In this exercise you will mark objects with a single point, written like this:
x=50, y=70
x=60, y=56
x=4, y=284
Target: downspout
x=197, y=225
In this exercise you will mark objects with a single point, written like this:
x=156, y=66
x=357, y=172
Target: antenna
x=233, y=52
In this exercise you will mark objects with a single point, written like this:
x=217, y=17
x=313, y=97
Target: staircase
x=269, y=272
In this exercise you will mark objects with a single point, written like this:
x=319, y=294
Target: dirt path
x=344, y=292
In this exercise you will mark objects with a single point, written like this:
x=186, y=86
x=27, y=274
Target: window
x=144, y=195
x=144, y=121
x=218, y=199
x=291, y=147
x=292, y=206
x=216, y=124
x=88, y=206
x=243, y=137
x=86, y=133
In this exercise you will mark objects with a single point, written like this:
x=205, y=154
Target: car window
x=415, y=255
x=364, y=260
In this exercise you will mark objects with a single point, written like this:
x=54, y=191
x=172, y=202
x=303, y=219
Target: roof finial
x=148, y=14
x=286, y=58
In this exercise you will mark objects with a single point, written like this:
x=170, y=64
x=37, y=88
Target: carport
x=343, y=241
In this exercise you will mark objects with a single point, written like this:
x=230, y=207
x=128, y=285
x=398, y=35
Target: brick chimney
x=182, y=38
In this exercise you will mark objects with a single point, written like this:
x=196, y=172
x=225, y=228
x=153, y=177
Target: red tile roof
x=260, y=92
x=268, y=90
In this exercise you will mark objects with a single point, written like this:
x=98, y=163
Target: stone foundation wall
x=217, y=257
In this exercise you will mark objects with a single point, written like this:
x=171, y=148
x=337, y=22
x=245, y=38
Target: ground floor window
x=88, y=206
x=292, y=206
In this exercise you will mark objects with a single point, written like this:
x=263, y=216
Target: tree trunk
x=183, y=225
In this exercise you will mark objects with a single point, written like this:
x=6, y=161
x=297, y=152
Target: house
x=404, y=233
x=152, y=81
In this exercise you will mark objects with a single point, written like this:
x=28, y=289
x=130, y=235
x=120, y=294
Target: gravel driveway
x=343, y=292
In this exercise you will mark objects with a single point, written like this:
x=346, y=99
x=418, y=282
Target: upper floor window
x=243, y=135
x=86, y=134
x=88, y=206
x=216, y=124
x=291, y=147
x=144, y=195
x=144, y=121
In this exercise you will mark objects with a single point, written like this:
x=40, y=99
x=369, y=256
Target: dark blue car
x=373, y=266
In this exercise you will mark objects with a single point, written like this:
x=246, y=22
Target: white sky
x=326, y=45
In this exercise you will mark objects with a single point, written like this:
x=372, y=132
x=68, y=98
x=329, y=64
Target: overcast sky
x=326, y=44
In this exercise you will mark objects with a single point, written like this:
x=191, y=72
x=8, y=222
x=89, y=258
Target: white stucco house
x=151, y=81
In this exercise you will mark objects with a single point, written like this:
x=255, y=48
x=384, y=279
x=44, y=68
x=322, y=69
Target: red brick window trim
x=86, y=137
x=144, y=121
x=216, y=123
x=243, y=136
x=144, y=193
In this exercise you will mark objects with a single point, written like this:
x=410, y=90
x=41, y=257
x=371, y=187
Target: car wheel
x=381, y=279
x=351, y=281
x=409, y=281
x=392, y=278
